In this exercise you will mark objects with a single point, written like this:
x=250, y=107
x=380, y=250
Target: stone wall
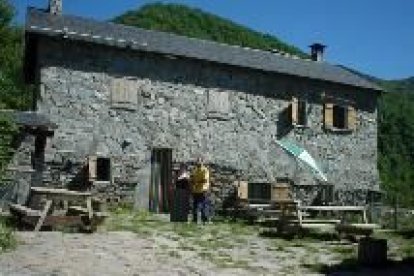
x=19, y=174
x=174, y=110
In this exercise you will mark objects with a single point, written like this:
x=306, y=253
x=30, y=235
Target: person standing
x=200, y=184
x=181, y=200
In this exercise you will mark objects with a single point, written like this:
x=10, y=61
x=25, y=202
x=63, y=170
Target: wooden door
x=161, y=180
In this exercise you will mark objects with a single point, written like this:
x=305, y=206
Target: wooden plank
x=352, y=118
x=101, y=214
x=333, y=208
x=365, y=225
x=43, y=215
x=242, y=189
x=354, y=229
x=364, y=216
x=24, y=210
x=328, y=115
x=334, y=221
x=324, y=226
x=294, y=111
x=78, y=209
x=65, y=192
x=258, y=205
x=89, y=207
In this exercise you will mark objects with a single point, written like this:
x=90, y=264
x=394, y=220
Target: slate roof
x=30, y=119
x=41, y=22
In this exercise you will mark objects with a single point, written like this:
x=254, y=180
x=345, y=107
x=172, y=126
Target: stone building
x=130, y=103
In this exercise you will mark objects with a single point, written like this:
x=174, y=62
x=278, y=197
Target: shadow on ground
x=406, y=234
x=353, y=267
x=312, y=235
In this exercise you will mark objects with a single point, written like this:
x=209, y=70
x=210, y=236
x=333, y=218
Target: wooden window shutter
x=352, y=118
x=328, y=115
x=132, y=93
x=116, y=92
x=294, y=111
x=92, y=167
x=242, y=189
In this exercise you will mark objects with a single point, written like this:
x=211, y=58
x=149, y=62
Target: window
x=339, y=117
x=103, y=169
x=298, y=112
x=99, y=168
x=259, y=191
x=124, y=93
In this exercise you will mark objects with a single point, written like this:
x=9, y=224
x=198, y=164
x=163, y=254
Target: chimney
x=317, y=51
x=55, y=7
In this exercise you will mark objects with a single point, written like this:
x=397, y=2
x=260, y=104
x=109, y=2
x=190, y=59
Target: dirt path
x=125, y=253
x=113, y=253
x=153, y=247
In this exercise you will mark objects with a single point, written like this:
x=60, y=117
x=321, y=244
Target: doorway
x=161, y=180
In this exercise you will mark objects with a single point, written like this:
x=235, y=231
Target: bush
x=7, y=238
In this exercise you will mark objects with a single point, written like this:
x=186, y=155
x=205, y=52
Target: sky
x=375, y=37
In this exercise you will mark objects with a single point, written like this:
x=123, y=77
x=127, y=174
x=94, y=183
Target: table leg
x=89, y=207
x=43, y=215
x=364, y=216
x=66, y=206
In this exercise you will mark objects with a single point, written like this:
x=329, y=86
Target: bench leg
x=89, y=207
x=364, y=216
x=43, y=216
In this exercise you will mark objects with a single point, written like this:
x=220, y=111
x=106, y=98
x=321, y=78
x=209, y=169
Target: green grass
x=343, y=250
x=7, y=238
x=126, y=219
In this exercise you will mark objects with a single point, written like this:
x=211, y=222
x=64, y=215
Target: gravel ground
x=125, y=253
x=167, y=249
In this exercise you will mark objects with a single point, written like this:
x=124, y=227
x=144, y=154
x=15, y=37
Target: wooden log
x=372, y=251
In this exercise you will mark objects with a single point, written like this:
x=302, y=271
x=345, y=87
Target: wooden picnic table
x=67, y=197
x=51, y=207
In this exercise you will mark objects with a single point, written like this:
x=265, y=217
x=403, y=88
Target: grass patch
x=343, y=250
x=7, y=238
x=186, y=230
x=125, y=219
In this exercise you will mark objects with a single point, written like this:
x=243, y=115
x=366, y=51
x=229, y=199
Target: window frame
x=350, y=116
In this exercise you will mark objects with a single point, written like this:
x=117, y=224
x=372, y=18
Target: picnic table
x=350, y=228
x=52, y=207
x=359, y=209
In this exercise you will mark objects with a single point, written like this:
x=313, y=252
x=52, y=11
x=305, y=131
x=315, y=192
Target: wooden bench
x=28, y=214
x=23, y=210
x=356, y=229
x=361, y=209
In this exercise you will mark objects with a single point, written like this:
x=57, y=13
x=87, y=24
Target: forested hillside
x=396, y=113
x=190, y=22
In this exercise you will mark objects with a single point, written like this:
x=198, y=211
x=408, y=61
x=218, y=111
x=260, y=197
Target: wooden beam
x=43, y=215
x=333, y=208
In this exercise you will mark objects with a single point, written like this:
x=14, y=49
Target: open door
x=161, y=180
